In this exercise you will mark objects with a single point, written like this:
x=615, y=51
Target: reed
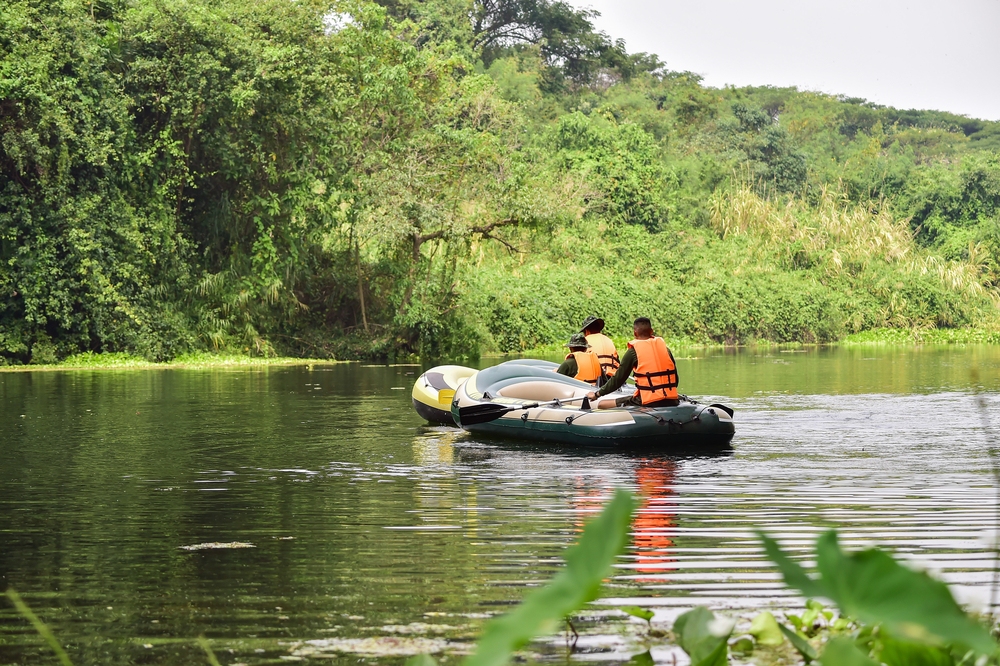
x=209, y=654
x=844, y=235
x=42, y=628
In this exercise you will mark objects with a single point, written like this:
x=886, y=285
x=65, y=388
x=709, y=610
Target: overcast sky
x=921, y=54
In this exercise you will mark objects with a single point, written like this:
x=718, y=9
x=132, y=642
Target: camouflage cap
x=577, y=340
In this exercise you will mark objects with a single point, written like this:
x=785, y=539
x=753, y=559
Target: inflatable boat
x=528, y=400
x=435, y=389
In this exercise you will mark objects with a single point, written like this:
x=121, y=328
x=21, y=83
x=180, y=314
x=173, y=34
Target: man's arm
x=675, y=366
x=568, y=367
x=628, y=364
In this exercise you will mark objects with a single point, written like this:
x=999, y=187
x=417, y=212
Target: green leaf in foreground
x=421, y=660
x=795, y=576
x=743, y=646
x=642, y=659
x=843, y=652
x=905, y=653
x=587, y=565
x=209, y=653
x=871, y=586
x=42, y=628
x=703, y=635
x=636, y=611
x=807, y=651
x=765, y=629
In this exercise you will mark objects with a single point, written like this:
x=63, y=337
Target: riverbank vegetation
x=339, y=178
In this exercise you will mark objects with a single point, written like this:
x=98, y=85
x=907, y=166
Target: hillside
x=445, y=178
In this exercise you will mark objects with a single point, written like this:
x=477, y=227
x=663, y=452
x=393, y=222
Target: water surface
x=365, y=529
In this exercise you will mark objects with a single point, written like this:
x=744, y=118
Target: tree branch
x=484, y=230
x=509, y=246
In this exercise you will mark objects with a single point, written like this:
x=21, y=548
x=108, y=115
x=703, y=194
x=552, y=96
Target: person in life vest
x=601, y=344
x=580, y=363
x=649, y=359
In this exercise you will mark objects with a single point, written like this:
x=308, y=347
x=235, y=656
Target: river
x=351, y=529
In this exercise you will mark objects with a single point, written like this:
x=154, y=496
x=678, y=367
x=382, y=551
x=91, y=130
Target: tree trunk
x=361, y=288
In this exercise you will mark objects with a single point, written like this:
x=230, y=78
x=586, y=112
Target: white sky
x=922, y=54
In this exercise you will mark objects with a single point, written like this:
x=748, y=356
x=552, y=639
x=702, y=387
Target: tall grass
x=760, y=270
x=843, y=234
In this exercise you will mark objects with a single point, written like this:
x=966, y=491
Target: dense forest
x=445, y=177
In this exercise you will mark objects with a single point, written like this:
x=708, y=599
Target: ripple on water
x=379, y=533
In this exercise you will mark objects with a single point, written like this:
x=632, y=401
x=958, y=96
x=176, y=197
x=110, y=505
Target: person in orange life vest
x=653, y=365
x=580, y=363
x=601, y=344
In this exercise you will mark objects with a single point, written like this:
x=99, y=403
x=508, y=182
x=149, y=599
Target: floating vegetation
x=379, y=646
x=420, y=628
x=217, y=545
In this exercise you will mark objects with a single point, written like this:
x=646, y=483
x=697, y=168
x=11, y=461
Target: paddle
x=492, y=411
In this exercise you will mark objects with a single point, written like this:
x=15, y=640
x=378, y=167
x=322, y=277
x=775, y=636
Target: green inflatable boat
x=528, y=400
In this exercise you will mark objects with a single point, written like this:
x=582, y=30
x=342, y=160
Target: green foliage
x=909, y=606
x=639, y=612
x=331, y=177
x=890, y=336
x=803, y=647
x=81, y=258
x=841, y=651
x=764, y=628
x=704, y=636
x=587, y=564
x=767, y=151
x=898, y=652
x=622, y=161
x=421, y=660
x=90, y=359
x=642, y=659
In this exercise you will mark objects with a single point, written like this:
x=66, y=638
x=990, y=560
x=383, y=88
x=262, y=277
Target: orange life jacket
x=602, y=345
x=588, y=367
x=655, y=372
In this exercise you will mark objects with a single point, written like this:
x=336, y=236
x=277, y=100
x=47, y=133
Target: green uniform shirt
x=569, y=367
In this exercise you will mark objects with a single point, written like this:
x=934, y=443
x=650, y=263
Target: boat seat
x=540, y=391
x=436, y=380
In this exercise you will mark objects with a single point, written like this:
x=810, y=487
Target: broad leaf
x=643, y=659
x=843, y=652
x=636, y=611
x=704, y=635
x=743, y=645
x=905, y=653
x=795, y=576
x=765, y=629
x=871, y=586
x=807, y=651
x=421, y=660
x=587, y=564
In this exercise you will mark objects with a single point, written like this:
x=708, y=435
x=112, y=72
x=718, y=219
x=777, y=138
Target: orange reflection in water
x=655, y=518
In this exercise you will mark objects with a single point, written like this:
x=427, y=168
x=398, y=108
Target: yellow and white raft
x=435, y=389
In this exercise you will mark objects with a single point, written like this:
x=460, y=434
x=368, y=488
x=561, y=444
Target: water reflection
x=652, y=529
x=367, y=523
